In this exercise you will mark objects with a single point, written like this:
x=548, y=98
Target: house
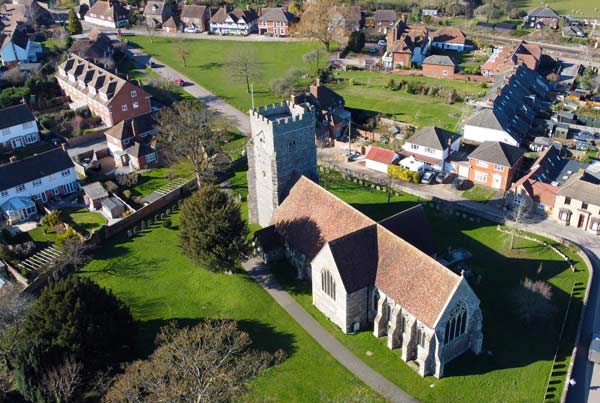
x=494, y=164
x=573, y=31
x=407, y=44
x=105, y=94
x=346, y=19
x=18, y=48
x=93, y=195
x=129, y=142
x=112, y=208
x=578, y=202
x=431, y=146
x=378, y=159
x=439, y=66
x=362, y=271
x=236, y=22
x=512, y=111
x=508, y=58
x=276, y=21
x=329, y=106
x=43, y=177
x=170, y=25
x=429, y=12
x=197, y=16
x=537, y=190
x=384, y=21
x=107, y=14
x=157, y=13
x=18, y=127
x=450, y=38
x=96, y=47
x=540, y=17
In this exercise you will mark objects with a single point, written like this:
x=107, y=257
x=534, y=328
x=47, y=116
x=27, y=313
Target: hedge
x=397, y=172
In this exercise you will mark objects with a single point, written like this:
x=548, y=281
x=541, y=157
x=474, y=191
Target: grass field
x=479, y=193
x=82, y=220
x=368, y=93
x=209, y=61
x=574, y=8
x=518, y=364
x=149, y=273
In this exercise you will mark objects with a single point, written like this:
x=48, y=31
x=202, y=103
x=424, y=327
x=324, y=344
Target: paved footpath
x=374, y=380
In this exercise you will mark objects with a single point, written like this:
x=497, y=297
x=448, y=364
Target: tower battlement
x=282, y=113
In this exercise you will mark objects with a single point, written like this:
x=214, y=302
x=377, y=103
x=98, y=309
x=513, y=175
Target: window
x=567, y=201
x=4, y=193
x=66, y=172
x=328, y=284
x=37, y=182
x=292, y=145
x=136, y=105
x=429, y=150
x=20, y=188
x=133, y=94
x=444, y=72
x=481, y=163
x=124, y=108
x=71, y=187
x=584, y=206
x=517, y=200
x=595, y=225
x=150, y=157
x=420, y=337
x=32, y=138
x=414, y=146
x=480, y=176
x=540, y=206
x=498, y=167
x=564, y=215
x=6, y=132
x=457, y=324
x=27, y=125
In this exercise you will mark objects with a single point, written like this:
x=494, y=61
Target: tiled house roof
x=382, y=155
x=15, y=115
x=433, y=137
x=35, y=167
x=449, y=35
x=498, y=153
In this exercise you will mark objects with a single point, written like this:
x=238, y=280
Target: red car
x=179, y=82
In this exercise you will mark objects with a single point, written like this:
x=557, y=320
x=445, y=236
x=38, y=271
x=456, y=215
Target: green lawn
x=479, y=193
x=519, y=363
x=38, y=235
x=82, y=220
x=574, y=8
x=152, y=179
x=159, y=284
x=368, y=93
x=209, y=61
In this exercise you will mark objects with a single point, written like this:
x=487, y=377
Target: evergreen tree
x=74, y=25
x=74, y=320
x=356, y=43
x=213, y=232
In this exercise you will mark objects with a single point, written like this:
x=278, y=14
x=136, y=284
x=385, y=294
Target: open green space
x=517, y=360
x=209, y=62
x=479, y=193
x=574, y=8
x=82, y=220
x=153, y=179
x=159, y=284
x=368, y=93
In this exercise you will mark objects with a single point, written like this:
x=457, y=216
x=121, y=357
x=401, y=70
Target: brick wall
x=434, y=70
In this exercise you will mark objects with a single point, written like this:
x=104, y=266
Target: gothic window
x=375, y=299
x=292, y=145
x=457, y=324
x=328, y=284
x=420, y=337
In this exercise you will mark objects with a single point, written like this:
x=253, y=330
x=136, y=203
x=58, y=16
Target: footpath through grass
x=516, y=362
x=209, y=62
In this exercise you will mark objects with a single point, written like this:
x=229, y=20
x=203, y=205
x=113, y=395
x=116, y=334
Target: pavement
x=373, y=379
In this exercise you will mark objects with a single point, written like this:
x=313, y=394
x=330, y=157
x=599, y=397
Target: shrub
x=24, y=250
x=167, y=223
x=391, y=84
x=110, y=186
x=68, y=234
x=127, y=194
x=51, y=219
x=406, y=175
x=532, y=301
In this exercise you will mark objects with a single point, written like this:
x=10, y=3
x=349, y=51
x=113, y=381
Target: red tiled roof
x=449, y=35
x=379, y=154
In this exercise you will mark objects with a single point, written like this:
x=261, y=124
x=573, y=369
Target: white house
x=236, y=22
x=107, y=15
x=18, y=48
x=18, y=127
x=485, y=125
x=379, y=158
x=432, y=146
x=41, y=177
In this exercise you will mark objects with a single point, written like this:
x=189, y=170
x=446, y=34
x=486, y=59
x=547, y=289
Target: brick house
x=130, y=142
x=197, y=16
x=170, y=25
x=508, y=58
x=406, y=44
x=540, y=17
x=105, y=94
x=95, y=47
x=276, y=22
x=384, y=21
x=494, y=164
x=439, y=66
x=106, y=14
x=157, y=13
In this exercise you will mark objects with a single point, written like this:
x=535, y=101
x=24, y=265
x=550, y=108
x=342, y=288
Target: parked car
x=428, y=178
x=192, y=29
x=382, y=43
x=594, y=350
x=459, y=184
x=372, y=49
x=352, y=156
x=584, y=136
x=444, y=177
x=179, y=82
x=152, y=64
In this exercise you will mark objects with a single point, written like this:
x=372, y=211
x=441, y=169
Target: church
x=362, y=272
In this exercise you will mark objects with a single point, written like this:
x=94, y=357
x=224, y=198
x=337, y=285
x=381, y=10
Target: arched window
x=328, y=284
x=420, y=337
x=457, y=323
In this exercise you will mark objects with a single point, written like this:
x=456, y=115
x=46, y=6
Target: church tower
x=280, y=150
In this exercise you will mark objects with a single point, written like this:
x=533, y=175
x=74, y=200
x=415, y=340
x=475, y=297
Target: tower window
x=292, y=145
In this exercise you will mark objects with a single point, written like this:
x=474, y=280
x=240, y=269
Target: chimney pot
x=63, y=146
x=12, y=159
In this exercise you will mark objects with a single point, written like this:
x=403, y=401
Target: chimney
x=318, y=81
x=404, y=18
x=12, y=159
x=292, y=100
x=63, y=146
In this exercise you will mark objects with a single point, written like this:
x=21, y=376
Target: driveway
x=240, y=120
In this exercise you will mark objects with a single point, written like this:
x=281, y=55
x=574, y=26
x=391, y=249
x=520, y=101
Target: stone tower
x=281, y=149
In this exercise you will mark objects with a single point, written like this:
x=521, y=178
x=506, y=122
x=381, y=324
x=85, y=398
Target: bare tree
x=324, y=21
x=62, y=381
x=518, y=219
x=314, y=57
x=532, y=301
x=243, y=66
x=14, y=76
x=75, y=255
x=189, y=130
x=14, y=306
x=183, y=52
x=210, y=362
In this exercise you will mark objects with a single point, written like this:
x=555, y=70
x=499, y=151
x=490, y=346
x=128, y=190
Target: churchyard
x=517, y=360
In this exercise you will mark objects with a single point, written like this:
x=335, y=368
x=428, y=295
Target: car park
x=428, y=177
